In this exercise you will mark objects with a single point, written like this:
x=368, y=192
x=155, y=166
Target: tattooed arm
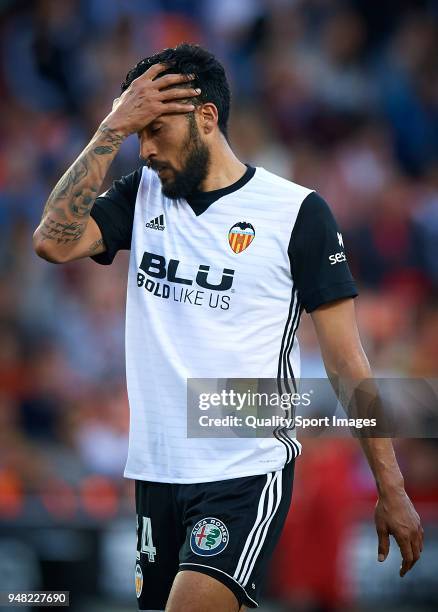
x=66, y=230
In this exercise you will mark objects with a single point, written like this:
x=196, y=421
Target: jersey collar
x=199, y=201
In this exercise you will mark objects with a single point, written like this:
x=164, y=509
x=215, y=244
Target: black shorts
x=226, y=529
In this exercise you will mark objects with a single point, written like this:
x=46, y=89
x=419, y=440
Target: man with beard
x=224, y=257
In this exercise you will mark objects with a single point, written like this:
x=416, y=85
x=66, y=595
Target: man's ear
x=208, y=117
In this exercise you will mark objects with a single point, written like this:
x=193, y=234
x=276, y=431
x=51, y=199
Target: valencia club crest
x=240, y=236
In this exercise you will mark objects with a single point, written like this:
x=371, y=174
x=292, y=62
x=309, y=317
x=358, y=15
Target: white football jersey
x=216, y=288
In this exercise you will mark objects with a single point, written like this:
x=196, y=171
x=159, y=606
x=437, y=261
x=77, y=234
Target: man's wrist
x=390, y=484
x=110, y=133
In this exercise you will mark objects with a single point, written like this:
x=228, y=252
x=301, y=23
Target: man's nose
x=147, y=149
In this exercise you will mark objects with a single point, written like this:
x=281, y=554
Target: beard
x=194, y=168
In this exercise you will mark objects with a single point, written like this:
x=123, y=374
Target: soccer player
x=224, y=257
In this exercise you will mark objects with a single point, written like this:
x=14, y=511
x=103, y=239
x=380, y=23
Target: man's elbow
x=44, y=250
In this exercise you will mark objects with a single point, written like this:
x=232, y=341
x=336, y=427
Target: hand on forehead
x=167, y=79
x=158, y=72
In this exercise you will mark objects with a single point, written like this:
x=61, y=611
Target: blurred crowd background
x=340, y=96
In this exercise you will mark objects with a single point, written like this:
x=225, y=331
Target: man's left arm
x=345, y=360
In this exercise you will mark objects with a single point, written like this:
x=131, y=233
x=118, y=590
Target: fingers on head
x=149, y=75
x=163, y=82
x=174, y=79
x=175, y=107
x=155, y=70
x=179, y=93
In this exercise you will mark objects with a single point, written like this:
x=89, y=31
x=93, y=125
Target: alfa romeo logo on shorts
x=138, y=580
x=209, y=537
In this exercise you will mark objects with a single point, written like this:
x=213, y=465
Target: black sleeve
x=316, y=251
x=113, y=212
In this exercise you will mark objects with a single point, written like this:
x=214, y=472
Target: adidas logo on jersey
x=157, y=223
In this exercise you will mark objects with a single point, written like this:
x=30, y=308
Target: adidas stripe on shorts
x=226, y=529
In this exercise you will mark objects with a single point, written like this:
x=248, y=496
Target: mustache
x=157, y=165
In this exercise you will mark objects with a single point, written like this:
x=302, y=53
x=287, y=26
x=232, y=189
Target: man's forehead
x=170, y=118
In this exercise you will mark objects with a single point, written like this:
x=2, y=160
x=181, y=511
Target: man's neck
x=225, y=169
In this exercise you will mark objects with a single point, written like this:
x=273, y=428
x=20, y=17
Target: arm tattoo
x=103, y=150
x=67, y=210
x=111, y=136
x=96, y=246
x=78, y=172
x=82, y=202
x=63, y=189
x=62, y=233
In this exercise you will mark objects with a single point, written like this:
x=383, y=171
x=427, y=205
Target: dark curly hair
x=192, y=59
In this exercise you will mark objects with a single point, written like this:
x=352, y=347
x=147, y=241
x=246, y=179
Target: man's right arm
x=66, y=231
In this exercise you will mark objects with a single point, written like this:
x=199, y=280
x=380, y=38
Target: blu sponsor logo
x=155, y=270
